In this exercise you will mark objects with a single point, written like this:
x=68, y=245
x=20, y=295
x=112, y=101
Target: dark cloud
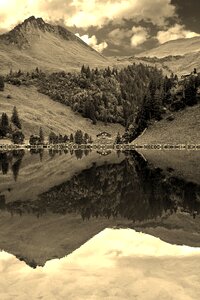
x=189, y=13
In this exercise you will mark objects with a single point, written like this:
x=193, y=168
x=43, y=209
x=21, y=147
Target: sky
x=115, y=264
x=112, y=27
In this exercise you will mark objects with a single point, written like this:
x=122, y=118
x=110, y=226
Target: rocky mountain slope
x=35, y=43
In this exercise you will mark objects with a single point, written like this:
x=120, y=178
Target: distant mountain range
x=35, y=43
x=174, y=48
x=180, y=56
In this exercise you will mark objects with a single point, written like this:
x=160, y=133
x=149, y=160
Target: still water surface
x=53, y=202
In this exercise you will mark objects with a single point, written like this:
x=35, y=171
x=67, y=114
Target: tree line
x=11, y=128
x=132, y=96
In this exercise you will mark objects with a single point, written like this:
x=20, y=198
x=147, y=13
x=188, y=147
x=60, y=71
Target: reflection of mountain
x=128, y=193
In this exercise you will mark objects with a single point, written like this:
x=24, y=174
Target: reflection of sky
x=115, y=264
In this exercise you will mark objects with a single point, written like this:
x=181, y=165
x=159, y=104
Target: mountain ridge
x=173, y=48
x=34, y=43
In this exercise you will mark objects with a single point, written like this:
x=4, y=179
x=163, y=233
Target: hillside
x=176, y=47
x=184, y=129
x=35, y=43
x=37, y=110
x=179, y=56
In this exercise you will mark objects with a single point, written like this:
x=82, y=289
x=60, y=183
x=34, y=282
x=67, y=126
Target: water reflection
x=130, y=189
x=11, y=161
x=83, y=192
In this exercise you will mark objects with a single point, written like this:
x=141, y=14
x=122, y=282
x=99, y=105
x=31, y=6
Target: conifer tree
x=118, y=138
x=41, y=135
x=2, y=85
x=15, y=118
x=71, y=138
x=4, y=125
x=78, y=138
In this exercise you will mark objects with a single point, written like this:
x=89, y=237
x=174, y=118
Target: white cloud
x=139, y=37
x=173, y=33
x=84, y=13
x=120, y=264
x=98, y=12
x=117, y=35
x=92, y=41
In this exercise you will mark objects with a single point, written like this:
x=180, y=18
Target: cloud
x=117, y=35
x=92, y=41
x=139, y=37
x=173, y=33
x=120, y=264
x=86, y=13
x=99, y=12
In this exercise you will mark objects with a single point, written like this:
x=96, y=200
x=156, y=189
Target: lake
x=52, y=202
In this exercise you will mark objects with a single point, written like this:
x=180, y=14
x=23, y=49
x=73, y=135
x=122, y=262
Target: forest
x=132, y=96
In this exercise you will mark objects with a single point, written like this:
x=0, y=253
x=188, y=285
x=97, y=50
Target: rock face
x=36, y=43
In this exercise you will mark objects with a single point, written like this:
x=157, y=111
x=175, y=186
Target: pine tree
x=41, y=135
x=4, y=125
x=118, y=138
x=78, y=138
x=88, y=72
x=2, y=85
x=18, y=137
x=71, y=138
x=15, y=118
x=83, y=70
x=65, y=138
x=52, y=137
x=157, y=104
x=86, y=138
x=4, y=120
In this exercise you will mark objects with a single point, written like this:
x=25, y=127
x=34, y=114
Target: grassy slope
x=176, y=47
x=185, y=64
x=184, y=129
x=49, y=52
x=37, y=110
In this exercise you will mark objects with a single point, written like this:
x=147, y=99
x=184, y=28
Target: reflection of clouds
x=115, y=264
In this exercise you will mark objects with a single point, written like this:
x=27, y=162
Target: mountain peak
x=23, y=34
x=37, y=22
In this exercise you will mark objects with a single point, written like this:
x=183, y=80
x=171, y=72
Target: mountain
x=174, y=48
x=35, y=43
x=180, y=56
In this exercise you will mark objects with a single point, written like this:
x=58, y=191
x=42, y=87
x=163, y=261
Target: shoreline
x=156, y=146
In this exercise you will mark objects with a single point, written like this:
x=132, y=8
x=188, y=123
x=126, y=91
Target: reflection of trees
x=5, y=161
x=79, y=153
x=11, y=160
x=38, y=151
x=131, y=189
